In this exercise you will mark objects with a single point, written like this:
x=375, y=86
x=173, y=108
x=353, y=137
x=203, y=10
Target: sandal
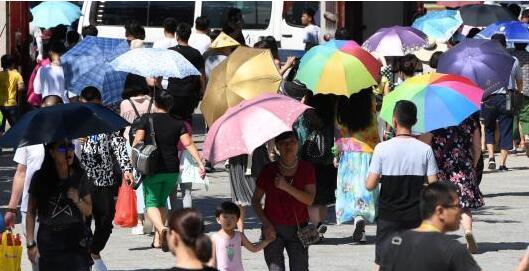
x=152, y=243
x=472, y=246
x=163, y=240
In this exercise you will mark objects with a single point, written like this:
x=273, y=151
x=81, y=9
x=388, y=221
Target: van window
x=147, y=13
x=292, y=11
x=256, y=14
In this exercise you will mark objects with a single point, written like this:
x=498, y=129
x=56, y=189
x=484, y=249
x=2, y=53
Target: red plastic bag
x=126, y=211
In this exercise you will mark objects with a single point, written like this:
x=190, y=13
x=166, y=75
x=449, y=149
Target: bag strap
x=152, y=133
x=134, y=107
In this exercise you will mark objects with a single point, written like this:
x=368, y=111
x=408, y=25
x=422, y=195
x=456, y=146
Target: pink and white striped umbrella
x=249, y=125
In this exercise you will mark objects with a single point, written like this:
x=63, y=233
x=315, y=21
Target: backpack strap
x=135, y=109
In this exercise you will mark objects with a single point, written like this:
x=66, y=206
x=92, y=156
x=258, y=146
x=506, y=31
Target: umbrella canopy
x=88, y=64
x=440, y=25
x=249, y=125
x=338, y=67
x=442, y=100
x=484, y=62
x=223, y=41
x=64, y=121
x=396, y=41
x=52, y=13
x=245, y=74
x=514, y=31
x=457, y=4
x=484, y=15
x=154, y=62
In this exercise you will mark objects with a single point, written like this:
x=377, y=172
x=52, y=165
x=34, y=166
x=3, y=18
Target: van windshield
x=147, y=13
x=256, y=14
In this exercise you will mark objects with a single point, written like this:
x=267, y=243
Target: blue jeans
x=9, y=113
x=494, y=108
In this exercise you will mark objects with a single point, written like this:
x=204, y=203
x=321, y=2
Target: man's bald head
x=51, y=100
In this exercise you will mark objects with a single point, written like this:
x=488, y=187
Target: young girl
x=227, y=241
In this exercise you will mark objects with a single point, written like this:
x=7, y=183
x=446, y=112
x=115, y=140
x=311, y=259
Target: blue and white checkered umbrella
x=88, y=64
x=154, y=62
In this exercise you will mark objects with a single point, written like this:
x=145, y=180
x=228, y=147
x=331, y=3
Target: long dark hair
x=356, y=112
x=189, y=225
x=324, y=111
x=48, y=170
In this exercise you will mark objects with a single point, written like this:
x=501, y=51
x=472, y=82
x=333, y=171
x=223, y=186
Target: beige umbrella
x=245, y=74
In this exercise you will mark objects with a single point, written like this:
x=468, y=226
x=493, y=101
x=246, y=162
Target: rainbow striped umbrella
x=338, y=67
x=442, y=100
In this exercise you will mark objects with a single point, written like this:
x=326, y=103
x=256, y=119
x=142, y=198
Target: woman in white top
x=49, y=80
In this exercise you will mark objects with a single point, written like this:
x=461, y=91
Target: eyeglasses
x=66, y=148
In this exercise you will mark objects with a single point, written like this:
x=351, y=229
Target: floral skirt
x=352, y=197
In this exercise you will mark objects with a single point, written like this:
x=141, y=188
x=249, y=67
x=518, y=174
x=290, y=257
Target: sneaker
x=503, y=168
x=99, y=265
x=322, y=229
x=359, y=229
x=472, y=246
x=363, y=240
x=138, y=230
x=492, y=164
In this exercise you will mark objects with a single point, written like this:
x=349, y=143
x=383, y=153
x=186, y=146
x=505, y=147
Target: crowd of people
x=414, y=187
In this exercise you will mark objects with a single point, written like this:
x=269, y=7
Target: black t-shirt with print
x=168, y=130
x=432, y=251
x=54, y=208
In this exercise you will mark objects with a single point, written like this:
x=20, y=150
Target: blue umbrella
x=154, y=62
x=440, y=25
x=63, y=121
x=52, y=13
x=514, y=31
x=484, y=62
x=88, y=64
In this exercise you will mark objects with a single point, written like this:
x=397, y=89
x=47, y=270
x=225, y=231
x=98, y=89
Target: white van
x=280, y=19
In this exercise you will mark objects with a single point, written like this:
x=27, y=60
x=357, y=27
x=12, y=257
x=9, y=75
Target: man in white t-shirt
x=200, y=39
x=29, y=160
x=311, y=37
x=169, y=31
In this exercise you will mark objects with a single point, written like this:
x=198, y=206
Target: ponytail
x=203, y=248
x=189, y=225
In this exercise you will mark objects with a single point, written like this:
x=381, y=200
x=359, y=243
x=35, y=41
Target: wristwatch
x=11, y=210
x=31, y=244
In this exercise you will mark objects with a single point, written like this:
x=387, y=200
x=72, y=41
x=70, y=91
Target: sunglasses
x=65, y=148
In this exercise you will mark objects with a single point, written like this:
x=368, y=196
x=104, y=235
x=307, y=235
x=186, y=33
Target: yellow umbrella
x=245, y=74
x=223, y=41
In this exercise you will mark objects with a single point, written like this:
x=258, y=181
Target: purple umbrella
x=396, y=41
x=485, y=62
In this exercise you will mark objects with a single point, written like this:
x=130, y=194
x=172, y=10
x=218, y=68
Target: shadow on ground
x=491, y=247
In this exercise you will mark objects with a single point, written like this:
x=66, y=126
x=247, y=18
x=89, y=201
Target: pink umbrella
x=249, y=125
x=457, y=4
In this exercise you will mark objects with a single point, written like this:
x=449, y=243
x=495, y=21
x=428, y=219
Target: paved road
x=501, y=228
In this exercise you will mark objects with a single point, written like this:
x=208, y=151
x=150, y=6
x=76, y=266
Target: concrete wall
x=3, y=27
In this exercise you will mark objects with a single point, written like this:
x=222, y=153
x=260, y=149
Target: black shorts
x=387, y=229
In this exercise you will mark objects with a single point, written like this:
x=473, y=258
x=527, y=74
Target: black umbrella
x=64, y=121
x=484, y=15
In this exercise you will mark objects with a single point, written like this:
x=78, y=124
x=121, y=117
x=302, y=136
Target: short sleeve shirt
x=168, y=130
x=432, y=251
x=31, y=157
x=9, y=81
x=54, y=208
x=403, y=164
x=280, y=207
